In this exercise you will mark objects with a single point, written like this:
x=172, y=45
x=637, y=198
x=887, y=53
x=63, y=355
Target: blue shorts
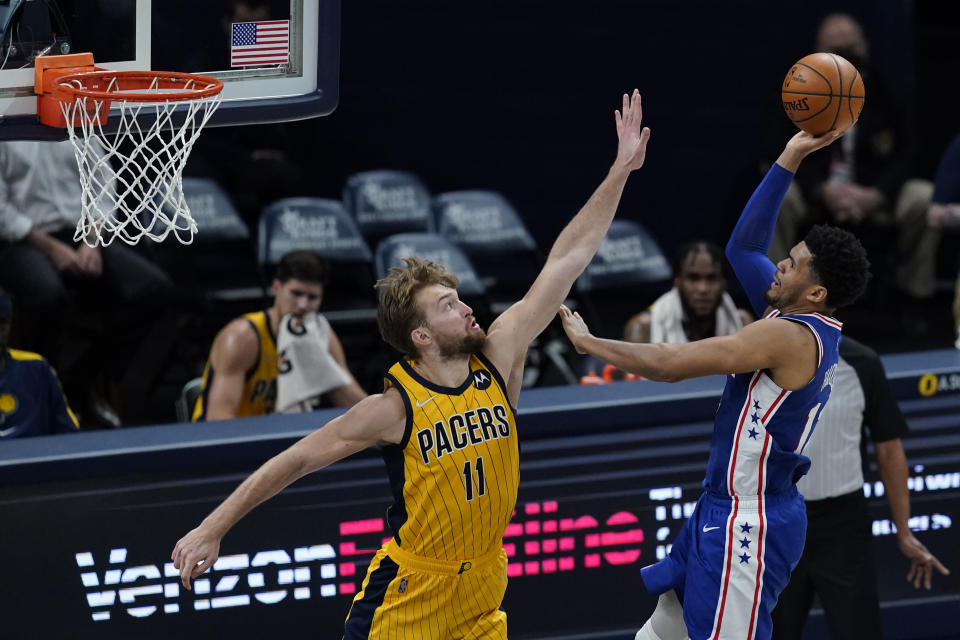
x=730, y=562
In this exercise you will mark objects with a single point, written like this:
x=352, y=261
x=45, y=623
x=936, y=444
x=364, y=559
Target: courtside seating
x=325, y=227
x=486, y=226
x=386, y=202
x=625, y=276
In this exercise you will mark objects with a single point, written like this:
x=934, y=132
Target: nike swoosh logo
x=706, y=528
x=420, y=404
x=5, y=432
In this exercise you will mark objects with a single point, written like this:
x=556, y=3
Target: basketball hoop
x=131, y=173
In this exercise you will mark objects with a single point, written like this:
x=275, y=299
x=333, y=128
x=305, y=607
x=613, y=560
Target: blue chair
x=386, y=202
x=486, y=226
x=323, y=226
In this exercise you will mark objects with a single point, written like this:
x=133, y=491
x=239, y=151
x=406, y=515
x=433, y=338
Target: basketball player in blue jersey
x=446, y=426
x=734, y=555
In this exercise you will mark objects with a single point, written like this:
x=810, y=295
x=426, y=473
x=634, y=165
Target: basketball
x=823, y=91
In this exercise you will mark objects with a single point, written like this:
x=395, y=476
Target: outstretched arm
x=750, y=240
x=775, y=344
x=379, y=418
x=574, y=247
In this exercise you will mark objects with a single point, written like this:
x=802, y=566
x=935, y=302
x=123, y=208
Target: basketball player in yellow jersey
x=240, y=377
x=447, y=429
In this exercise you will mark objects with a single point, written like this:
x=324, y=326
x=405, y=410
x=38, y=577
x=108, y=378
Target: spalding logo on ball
x=822, y=92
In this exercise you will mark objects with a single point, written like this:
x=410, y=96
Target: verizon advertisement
x=94, y=561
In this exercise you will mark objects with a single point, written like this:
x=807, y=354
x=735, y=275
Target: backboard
x=278, y=59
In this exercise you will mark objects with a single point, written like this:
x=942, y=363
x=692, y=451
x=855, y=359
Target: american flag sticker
x=257, y=43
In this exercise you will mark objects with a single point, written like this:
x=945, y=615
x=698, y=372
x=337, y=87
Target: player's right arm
x=235, y=351
x=750, y=240
x=376, y=419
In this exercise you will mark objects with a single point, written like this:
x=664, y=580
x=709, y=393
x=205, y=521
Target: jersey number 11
x=468, y=479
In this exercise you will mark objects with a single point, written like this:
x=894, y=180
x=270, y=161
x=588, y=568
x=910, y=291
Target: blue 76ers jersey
x=760, y=430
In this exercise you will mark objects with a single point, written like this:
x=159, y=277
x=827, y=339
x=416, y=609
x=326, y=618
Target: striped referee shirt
x=860, y=401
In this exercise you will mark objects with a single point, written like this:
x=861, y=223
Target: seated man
x=240, y=378
x=31, y=400
x=114, y=294
x=697, y=306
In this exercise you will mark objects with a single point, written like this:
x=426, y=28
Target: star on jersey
x=756, y=405
x=744, y=559
x=745, y=543
x=756, y=418
x=745, y=528
x=753, y=434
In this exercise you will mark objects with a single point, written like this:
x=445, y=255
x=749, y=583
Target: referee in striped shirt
x=837, y=561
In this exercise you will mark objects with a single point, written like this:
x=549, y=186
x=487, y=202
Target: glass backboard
x=279, y=59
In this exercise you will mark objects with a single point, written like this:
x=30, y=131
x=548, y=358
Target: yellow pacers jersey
x=455, y=473
x=260, y=383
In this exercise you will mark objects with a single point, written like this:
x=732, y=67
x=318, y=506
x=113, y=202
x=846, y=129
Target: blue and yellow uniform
x=454, y=477
x=260, y=382
x=31, y=399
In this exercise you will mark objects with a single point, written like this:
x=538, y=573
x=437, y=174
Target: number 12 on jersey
x=468, y=478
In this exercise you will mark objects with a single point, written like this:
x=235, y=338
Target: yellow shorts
x=407, y=596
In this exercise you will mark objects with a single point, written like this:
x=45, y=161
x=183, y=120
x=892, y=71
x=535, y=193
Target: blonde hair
x=397, y=312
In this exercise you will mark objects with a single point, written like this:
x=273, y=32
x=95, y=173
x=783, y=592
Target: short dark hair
x=688, y=249
x=302, y=264
x=839, y=262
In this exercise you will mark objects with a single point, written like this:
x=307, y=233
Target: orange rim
x=127, y=82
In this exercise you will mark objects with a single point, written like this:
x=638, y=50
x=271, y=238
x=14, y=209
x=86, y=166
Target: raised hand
x=632, y=150
x=574, y=326
x=803, y=144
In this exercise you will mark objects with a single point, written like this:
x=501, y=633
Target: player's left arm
x=574, y=248
x=773, y=344
x=351, y=393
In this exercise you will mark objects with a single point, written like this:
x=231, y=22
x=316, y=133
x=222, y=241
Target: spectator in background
x=31, y=400
x=241, y=375
x=944, y=211
x=863, y=180
x=837, y=561
x=47, y=270
x=698, y=306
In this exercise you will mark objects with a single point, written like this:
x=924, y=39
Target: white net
x=131, y=180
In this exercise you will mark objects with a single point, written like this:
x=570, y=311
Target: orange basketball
x=823, y=91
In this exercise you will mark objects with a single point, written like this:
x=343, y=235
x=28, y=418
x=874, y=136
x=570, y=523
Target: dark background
x=518, y=97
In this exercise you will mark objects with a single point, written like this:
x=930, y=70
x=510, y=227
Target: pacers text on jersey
x=462, y=430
